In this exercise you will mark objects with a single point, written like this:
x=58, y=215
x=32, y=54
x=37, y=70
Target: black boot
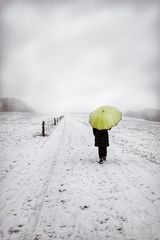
x=101, y=161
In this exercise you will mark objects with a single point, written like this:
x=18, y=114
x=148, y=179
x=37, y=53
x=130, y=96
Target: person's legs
x=102, y=151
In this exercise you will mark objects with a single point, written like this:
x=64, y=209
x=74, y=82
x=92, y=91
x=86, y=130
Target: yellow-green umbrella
x=105, y=117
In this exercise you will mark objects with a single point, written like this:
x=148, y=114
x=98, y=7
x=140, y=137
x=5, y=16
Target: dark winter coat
x=101, y=137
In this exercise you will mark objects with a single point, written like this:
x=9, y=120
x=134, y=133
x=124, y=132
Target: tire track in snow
x=34, y=218
x=34, y=189
x=22, y=186
x=57, y=195
x=22, y=182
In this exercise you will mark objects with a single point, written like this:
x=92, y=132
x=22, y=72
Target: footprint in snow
x=29, y=200
x=119, y=229
x=104, y=221
x=62, y=190
x=37, y=237
x=123, y=218
x=20, y=225
x=48, y=225
x=62, y=226
x=83, y=207
x=13, y=230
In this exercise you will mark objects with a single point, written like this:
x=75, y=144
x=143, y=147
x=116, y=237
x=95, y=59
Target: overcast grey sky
x=61, y=56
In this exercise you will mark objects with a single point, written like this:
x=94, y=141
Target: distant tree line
x=147, y=114
x=14, y=105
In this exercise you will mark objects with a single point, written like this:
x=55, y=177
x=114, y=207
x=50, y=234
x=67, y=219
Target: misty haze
x=79, y=120
x=74, y=56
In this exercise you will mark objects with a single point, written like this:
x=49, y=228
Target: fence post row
x=56, y=120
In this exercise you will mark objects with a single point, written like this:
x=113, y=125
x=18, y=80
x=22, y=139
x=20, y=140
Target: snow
x=53, y=187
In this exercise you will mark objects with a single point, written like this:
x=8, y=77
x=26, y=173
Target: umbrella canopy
x=105, y=117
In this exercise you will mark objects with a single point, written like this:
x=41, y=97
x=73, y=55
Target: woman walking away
x=102, y=120
x=102, y=142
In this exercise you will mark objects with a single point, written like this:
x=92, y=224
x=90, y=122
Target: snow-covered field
x=53, y=188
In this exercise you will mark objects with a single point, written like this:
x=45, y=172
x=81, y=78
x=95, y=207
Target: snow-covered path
x=57, y=190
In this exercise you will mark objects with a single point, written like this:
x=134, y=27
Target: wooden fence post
x=43, y=128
